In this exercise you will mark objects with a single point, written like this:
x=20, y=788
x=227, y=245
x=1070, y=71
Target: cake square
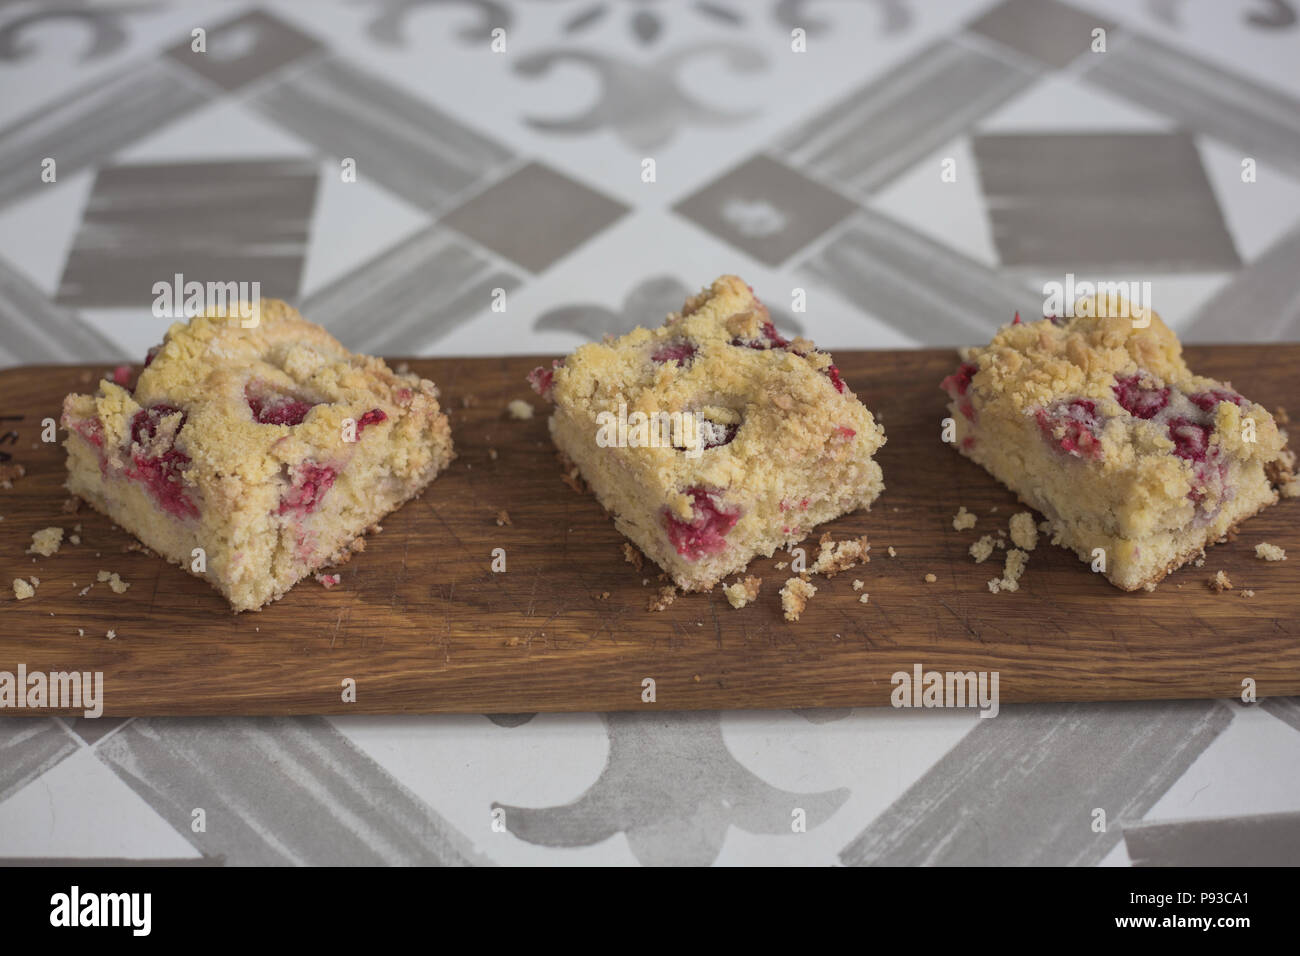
x=1096, y=421
x=271, y=448
x=713, y=439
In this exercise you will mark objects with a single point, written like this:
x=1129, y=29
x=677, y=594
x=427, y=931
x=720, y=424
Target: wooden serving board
x=422, y=624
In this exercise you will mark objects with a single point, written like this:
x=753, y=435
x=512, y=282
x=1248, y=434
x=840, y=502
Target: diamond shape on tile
x=535, y=216
x=210, y=222
x=1102, y=200
x=765, y=208
x=244, y=49
x=92, y=729
x=1050, y=32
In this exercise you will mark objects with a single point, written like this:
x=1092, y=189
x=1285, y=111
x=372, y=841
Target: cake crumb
x=111, y=634
x=74, y=539
x=781, y=565
x=1248, y=593
x=1012, y=572
x=863, y=599
x=984, y=547
x=520, y=410
x=1024, y=533
x=9, y=474
x=795, y=594
x=503, y=518
x=71, y=505
x=632, y=556
x=1290, y=489
x=892, y=553
x=859, y=585
x=492, y=454
x=742, y=592
x=81, y=632
x=328, y=581
x=1219, y=583
x=1269, y=552
x=468, y=401
x=117, y=585
x=836, y=557
x=1280, y=415
x=46, y=541
x=23, y=590
x=930, y=579
x=964, y=520
x=663, y=598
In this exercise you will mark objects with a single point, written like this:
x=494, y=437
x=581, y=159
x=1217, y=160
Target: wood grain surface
x=422, y=624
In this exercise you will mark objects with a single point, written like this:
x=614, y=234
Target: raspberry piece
x=680, y=352
x=122, y=376
x=542, y=379
x=1208, y=401
x=1077, y=420
x=770, y=338
x=372, y=417
x=160, y=473
x=1137, y=399
x=275, y=409
x=151, y=355
x=144, y=424
x=1191, y=439
x=310, y=482
x=958, y=383
x=706, y=532
x=834, y=375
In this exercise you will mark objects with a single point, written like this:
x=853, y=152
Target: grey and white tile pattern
x=519, y=171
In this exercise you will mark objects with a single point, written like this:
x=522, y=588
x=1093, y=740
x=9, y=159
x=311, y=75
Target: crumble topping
x=742, y=592
x=1219, y=583
x=46, y=542
x=795, y=594
x=23, y=589
x=1269, y=552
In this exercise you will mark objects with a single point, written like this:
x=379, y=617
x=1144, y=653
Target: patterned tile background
x=522, y=170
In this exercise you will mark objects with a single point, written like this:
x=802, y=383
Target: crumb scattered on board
x=859, y=584
x=632, y=556
x=794, y=597
x=1248, y=593
x=834, y=557
x=1269, y=552
x=1024, y=533
x=964, y=520
x=742, y=592
x=984, y=547
x=520, y=410
x=503, y=518
x=24, y=589
x=930, y=579
x=1011, y=572
x=328, y=581
x=115, y=583
x=891, y=552
x=46, y=541
x=661, y=599
x=1219, y=583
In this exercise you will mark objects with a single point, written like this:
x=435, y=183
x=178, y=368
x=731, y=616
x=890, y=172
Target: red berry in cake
x=310, y=482
x=372, y=417
x=159, y=469
x=1138, y=399
x=1208, y=401
x=272, y=408
x=706, y=532
x=1191, y=439
x=680, y=352
x=958, y=383
x=834, y=374
x=1073, y=426
x=542, y=379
